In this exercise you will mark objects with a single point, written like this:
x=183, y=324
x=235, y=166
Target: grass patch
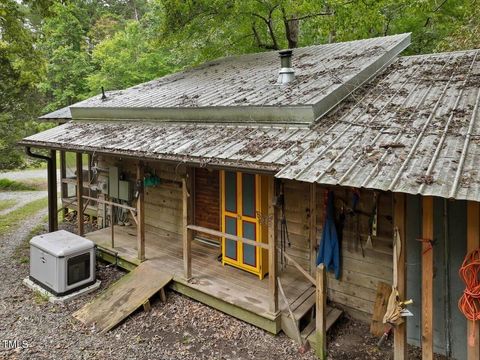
x=7, y=204
x=12, y=185
x=22, y=251
x=40, y=298
x=14, y=218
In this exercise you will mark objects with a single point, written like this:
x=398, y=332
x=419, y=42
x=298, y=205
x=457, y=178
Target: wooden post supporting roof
x=399, y=218
x=272, y=251
x=52, y=191
x=427, y=279
x=321, y=312
x=140, y=212
x=63, y=186
x=473, y=242
x=79, y=164
x=187, y=220
x=313, y=228
x=112, y=227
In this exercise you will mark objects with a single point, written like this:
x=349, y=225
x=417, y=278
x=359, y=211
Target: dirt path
x=14, y=238
x=24, y=174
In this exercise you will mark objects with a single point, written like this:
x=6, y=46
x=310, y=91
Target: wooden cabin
x=219, y=175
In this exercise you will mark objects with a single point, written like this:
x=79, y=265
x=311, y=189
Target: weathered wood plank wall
x=297, y=214
x=163, y=203
x=360, y=270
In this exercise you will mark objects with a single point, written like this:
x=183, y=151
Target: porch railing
x=133, y=212
x=227, y=236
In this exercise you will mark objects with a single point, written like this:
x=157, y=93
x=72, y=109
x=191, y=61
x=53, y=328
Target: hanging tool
x=355, y=201
x=284, y=236
x=372, y=222
x=385, y=336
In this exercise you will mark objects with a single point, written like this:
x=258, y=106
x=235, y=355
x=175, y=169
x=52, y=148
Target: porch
x=231, y=290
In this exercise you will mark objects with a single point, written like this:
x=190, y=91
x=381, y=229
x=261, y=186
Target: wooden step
x=333, y=315
x=302, y=305
x=301, y=299
x=308, y=333
x=122, y=298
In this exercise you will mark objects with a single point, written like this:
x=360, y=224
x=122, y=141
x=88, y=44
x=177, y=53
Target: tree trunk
x=292, y=26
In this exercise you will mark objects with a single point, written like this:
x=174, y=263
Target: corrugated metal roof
x=415, y=130
x=60, y=114
x=252, y=147
x=243, y=88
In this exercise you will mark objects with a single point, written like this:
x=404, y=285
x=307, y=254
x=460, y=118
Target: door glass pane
x=231, y=245
x=248, y=192
x=249, y=250
x=230, y=191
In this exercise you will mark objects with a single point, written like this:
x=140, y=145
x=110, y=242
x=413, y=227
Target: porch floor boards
x=232, y=285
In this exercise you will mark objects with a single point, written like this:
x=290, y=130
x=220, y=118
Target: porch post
x=473, y=242
x=79, y=163
x=63, y=186
x=427, y=279
x=272, y=251
x=52, y=191
x=187, y=220
x=321, y=312
x=400, y=338
x=313, y=228
x=140, y=212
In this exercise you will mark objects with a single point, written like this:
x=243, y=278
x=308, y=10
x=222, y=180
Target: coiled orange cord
x=469, y=303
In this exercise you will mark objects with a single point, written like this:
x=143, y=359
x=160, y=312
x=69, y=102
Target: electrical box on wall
x=124, y=190
x=113, y=173
x=103, y=187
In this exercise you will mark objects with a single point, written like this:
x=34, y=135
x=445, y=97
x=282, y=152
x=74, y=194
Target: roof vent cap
x=286, y=73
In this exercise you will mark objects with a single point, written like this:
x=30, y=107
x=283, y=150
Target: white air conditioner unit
x=62, y=262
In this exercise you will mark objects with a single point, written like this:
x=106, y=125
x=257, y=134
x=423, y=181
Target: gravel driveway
x=21, y=197
x=179, y=329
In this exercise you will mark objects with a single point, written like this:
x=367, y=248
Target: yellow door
x=241, y=204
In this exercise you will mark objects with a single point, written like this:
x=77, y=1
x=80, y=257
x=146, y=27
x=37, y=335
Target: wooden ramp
x=123, y=297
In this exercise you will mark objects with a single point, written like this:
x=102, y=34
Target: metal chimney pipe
x=286, y=73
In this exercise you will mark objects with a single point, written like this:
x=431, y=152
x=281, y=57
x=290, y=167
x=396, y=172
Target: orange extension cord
x=469, y=303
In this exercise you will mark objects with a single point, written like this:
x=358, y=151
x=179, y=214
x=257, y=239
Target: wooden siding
x=360, y=273
x=207, y=200
x=296, y=195
x=163, y=203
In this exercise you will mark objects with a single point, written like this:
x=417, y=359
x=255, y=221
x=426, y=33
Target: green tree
x=65, y=45
x=21, y=67
x=128, y=58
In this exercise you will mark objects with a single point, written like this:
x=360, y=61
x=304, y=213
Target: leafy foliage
x=56, y=52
